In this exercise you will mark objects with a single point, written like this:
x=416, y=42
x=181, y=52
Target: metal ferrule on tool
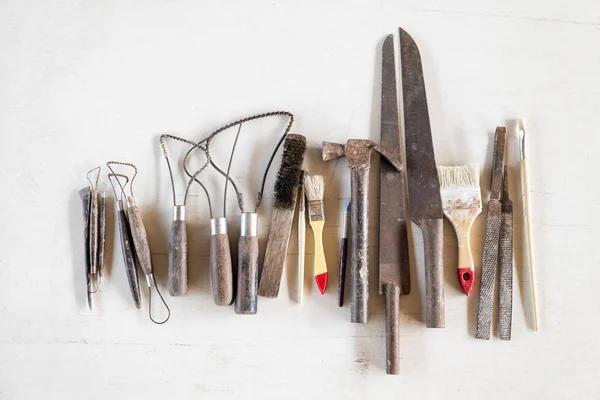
x=345, y=224
x=179, y=213
x=120, y=205
x=316, y=210
x=218, y=226
x=130, y=201
x=249, y=224
x=150, y=280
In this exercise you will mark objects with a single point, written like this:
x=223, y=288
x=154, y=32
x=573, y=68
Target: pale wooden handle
x=320, y=266
x=247, y=275
x=301, y=251
x=529, y=240
x=221, y=271
x=178, y=279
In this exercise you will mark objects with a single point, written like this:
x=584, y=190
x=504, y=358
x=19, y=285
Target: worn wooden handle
x=392, y=330
x=320, y=266
x=433, y=237
x=178, y=270
x=221, y=271
x=247, y=275
x=129, y=258
x=140, y=237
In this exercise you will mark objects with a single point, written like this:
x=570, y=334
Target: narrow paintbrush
x=461, y=200
x=301, y=238
x=343, y=254
x=314, y=188
x=286, y=193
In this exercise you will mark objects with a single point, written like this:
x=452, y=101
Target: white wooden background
x=83, y=82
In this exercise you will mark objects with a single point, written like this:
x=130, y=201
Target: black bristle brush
x=286, y=194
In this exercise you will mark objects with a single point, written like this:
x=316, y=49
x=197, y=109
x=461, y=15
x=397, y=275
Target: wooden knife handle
x=433, y=237
x=178, y=269
x=247, y=272
x=128, y=256
x=221, y=271
x=392, y=330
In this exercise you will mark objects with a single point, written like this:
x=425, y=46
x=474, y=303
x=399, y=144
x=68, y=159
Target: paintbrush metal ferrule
x=346, y=220
x=316, y=210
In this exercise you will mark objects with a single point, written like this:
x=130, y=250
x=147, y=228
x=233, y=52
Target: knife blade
x=425, y=203
x=394, y=272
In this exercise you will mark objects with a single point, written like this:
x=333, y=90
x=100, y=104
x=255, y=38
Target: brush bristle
x=290, y=171
x=314, y=187
x=457, y=177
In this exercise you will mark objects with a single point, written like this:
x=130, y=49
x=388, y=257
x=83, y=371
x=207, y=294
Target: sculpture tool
x=505, y=262
x=141, y=243
x=425, y=204
x=286, y=193
x=301, y=237
x=126, y=239
x=491, y=242
x=358, y=152
x=461, y=200
x=394, y=268
x=528, y=232
x=314, y=187
x=343, y=253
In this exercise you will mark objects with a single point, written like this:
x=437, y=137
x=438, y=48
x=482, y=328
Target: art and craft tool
x=314, y=187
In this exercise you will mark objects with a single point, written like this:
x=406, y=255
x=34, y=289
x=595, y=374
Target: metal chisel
x=394, y=272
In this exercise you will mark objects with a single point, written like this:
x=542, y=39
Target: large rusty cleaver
x=425, y=204
x=394, y=271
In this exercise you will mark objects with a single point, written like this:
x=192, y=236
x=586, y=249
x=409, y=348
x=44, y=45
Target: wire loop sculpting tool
x=140, y=242
x=178, y=266
x=126, y=239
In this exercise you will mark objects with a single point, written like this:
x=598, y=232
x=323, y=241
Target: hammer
x=358, y=153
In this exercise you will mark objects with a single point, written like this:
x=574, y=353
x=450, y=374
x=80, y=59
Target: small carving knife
x=491, y=241
x=425, y=203
x=394, y=272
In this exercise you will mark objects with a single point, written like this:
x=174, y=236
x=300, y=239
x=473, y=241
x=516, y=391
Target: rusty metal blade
x=393, y=238
x=423, y=184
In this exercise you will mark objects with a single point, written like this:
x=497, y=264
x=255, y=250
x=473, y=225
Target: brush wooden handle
x=433, y=236
x=529, y=240
x=301, y=249
x=462, y=221
x=140, y=239
x=178, y=269
x=128, y=256
x=221, y=271
x=277, y=244
x=320, y=266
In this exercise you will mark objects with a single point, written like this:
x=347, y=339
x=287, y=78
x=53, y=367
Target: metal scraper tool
x=492, y=240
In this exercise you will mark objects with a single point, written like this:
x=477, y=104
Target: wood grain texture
x=221, y=269
x=433, y=243
x=277, y=245
x=247, y=276
x=178, y=267
x=129, y=258
x=139, y=236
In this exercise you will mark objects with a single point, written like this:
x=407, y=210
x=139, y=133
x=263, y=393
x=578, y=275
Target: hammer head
x=358, y=152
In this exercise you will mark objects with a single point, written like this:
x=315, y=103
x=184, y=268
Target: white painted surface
x=83, y=82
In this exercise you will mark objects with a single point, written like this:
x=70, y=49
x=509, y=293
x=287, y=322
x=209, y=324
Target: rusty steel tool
x=505, y=262
x=425, y=203
x=394, y=272
x=491, y=241
x=358, y=153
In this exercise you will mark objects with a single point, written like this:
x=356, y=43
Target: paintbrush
x=343, y=254
x=301, y=237
x=314, y=188
x=286, y=193
x=461, y=201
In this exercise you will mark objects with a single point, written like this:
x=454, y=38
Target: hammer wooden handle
x=178, y=269
x=221, y=272
x=247, y=275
